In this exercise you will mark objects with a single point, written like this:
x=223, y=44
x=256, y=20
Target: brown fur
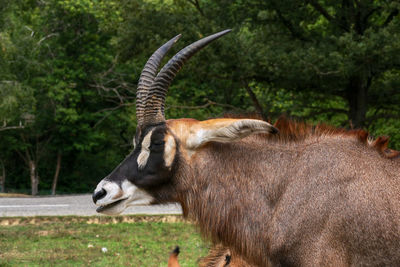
x=220, y=256
x=312, y=196
x=290, y=130
x=299, y=131
x=173, y=258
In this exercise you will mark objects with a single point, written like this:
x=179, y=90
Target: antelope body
x=303, y=197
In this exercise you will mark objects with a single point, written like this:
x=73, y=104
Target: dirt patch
x=44, y=233
x=12, y=221
x=13, y=195
x=11, y=254
x=54, y=232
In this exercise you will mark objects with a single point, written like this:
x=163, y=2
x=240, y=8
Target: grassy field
x=78, y=241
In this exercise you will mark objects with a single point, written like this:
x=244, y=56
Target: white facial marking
x=145, y=151
x=112, y=190
x=136, y=195
x=169, y=151
x=128, y=195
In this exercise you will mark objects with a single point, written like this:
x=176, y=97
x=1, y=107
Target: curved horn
x=147, y=77
x=155, y=99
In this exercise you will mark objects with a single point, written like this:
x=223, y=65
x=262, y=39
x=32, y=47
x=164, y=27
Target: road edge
x=14, y=221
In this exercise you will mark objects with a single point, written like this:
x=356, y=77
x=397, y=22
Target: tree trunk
x=255, y=101
x=2, y=177
x=55, y=179
x=357, y=96
x=34, y=177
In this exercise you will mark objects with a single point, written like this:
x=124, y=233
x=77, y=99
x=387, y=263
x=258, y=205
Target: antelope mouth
x=111, y=205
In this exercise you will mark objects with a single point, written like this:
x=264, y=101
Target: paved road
x=81, y=205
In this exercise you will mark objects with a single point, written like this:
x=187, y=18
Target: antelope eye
x=158, y=142
x=157, y=146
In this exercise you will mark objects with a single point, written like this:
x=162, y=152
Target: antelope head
x=159, y=144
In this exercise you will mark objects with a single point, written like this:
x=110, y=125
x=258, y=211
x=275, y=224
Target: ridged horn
x=147, y=77
x=155, y=99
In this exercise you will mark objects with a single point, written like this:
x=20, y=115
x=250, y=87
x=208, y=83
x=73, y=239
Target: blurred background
x=69, y=68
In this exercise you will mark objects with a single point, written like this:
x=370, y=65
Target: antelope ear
x=226, y=130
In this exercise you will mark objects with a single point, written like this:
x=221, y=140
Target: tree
x=2, y=176
x=68, y=71
x=57, y=55
x=16, y=103
x=343, y=49
x=319, y=60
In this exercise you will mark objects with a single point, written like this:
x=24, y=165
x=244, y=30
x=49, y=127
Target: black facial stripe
x=118, y=175
x=153, y=172
x=141, y=133
x=154, y=176
x=157, y=138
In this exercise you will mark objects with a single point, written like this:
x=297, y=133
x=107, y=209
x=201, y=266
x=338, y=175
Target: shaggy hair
x=311, y=195
x=295, y=131
x=291, y=131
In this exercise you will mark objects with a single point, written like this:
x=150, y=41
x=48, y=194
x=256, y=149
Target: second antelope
x=309, y=196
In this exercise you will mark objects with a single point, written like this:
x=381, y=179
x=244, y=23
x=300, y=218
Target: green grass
x=68, y=241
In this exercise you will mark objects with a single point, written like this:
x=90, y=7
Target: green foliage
x=16, y=102
x=68, y=71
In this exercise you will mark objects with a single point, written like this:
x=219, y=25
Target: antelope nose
x=99, y=195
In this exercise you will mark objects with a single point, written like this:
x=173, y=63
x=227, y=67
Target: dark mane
x=297, y=131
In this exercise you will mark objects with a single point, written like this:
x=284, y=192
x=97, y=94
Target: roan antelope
x=309, y=196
